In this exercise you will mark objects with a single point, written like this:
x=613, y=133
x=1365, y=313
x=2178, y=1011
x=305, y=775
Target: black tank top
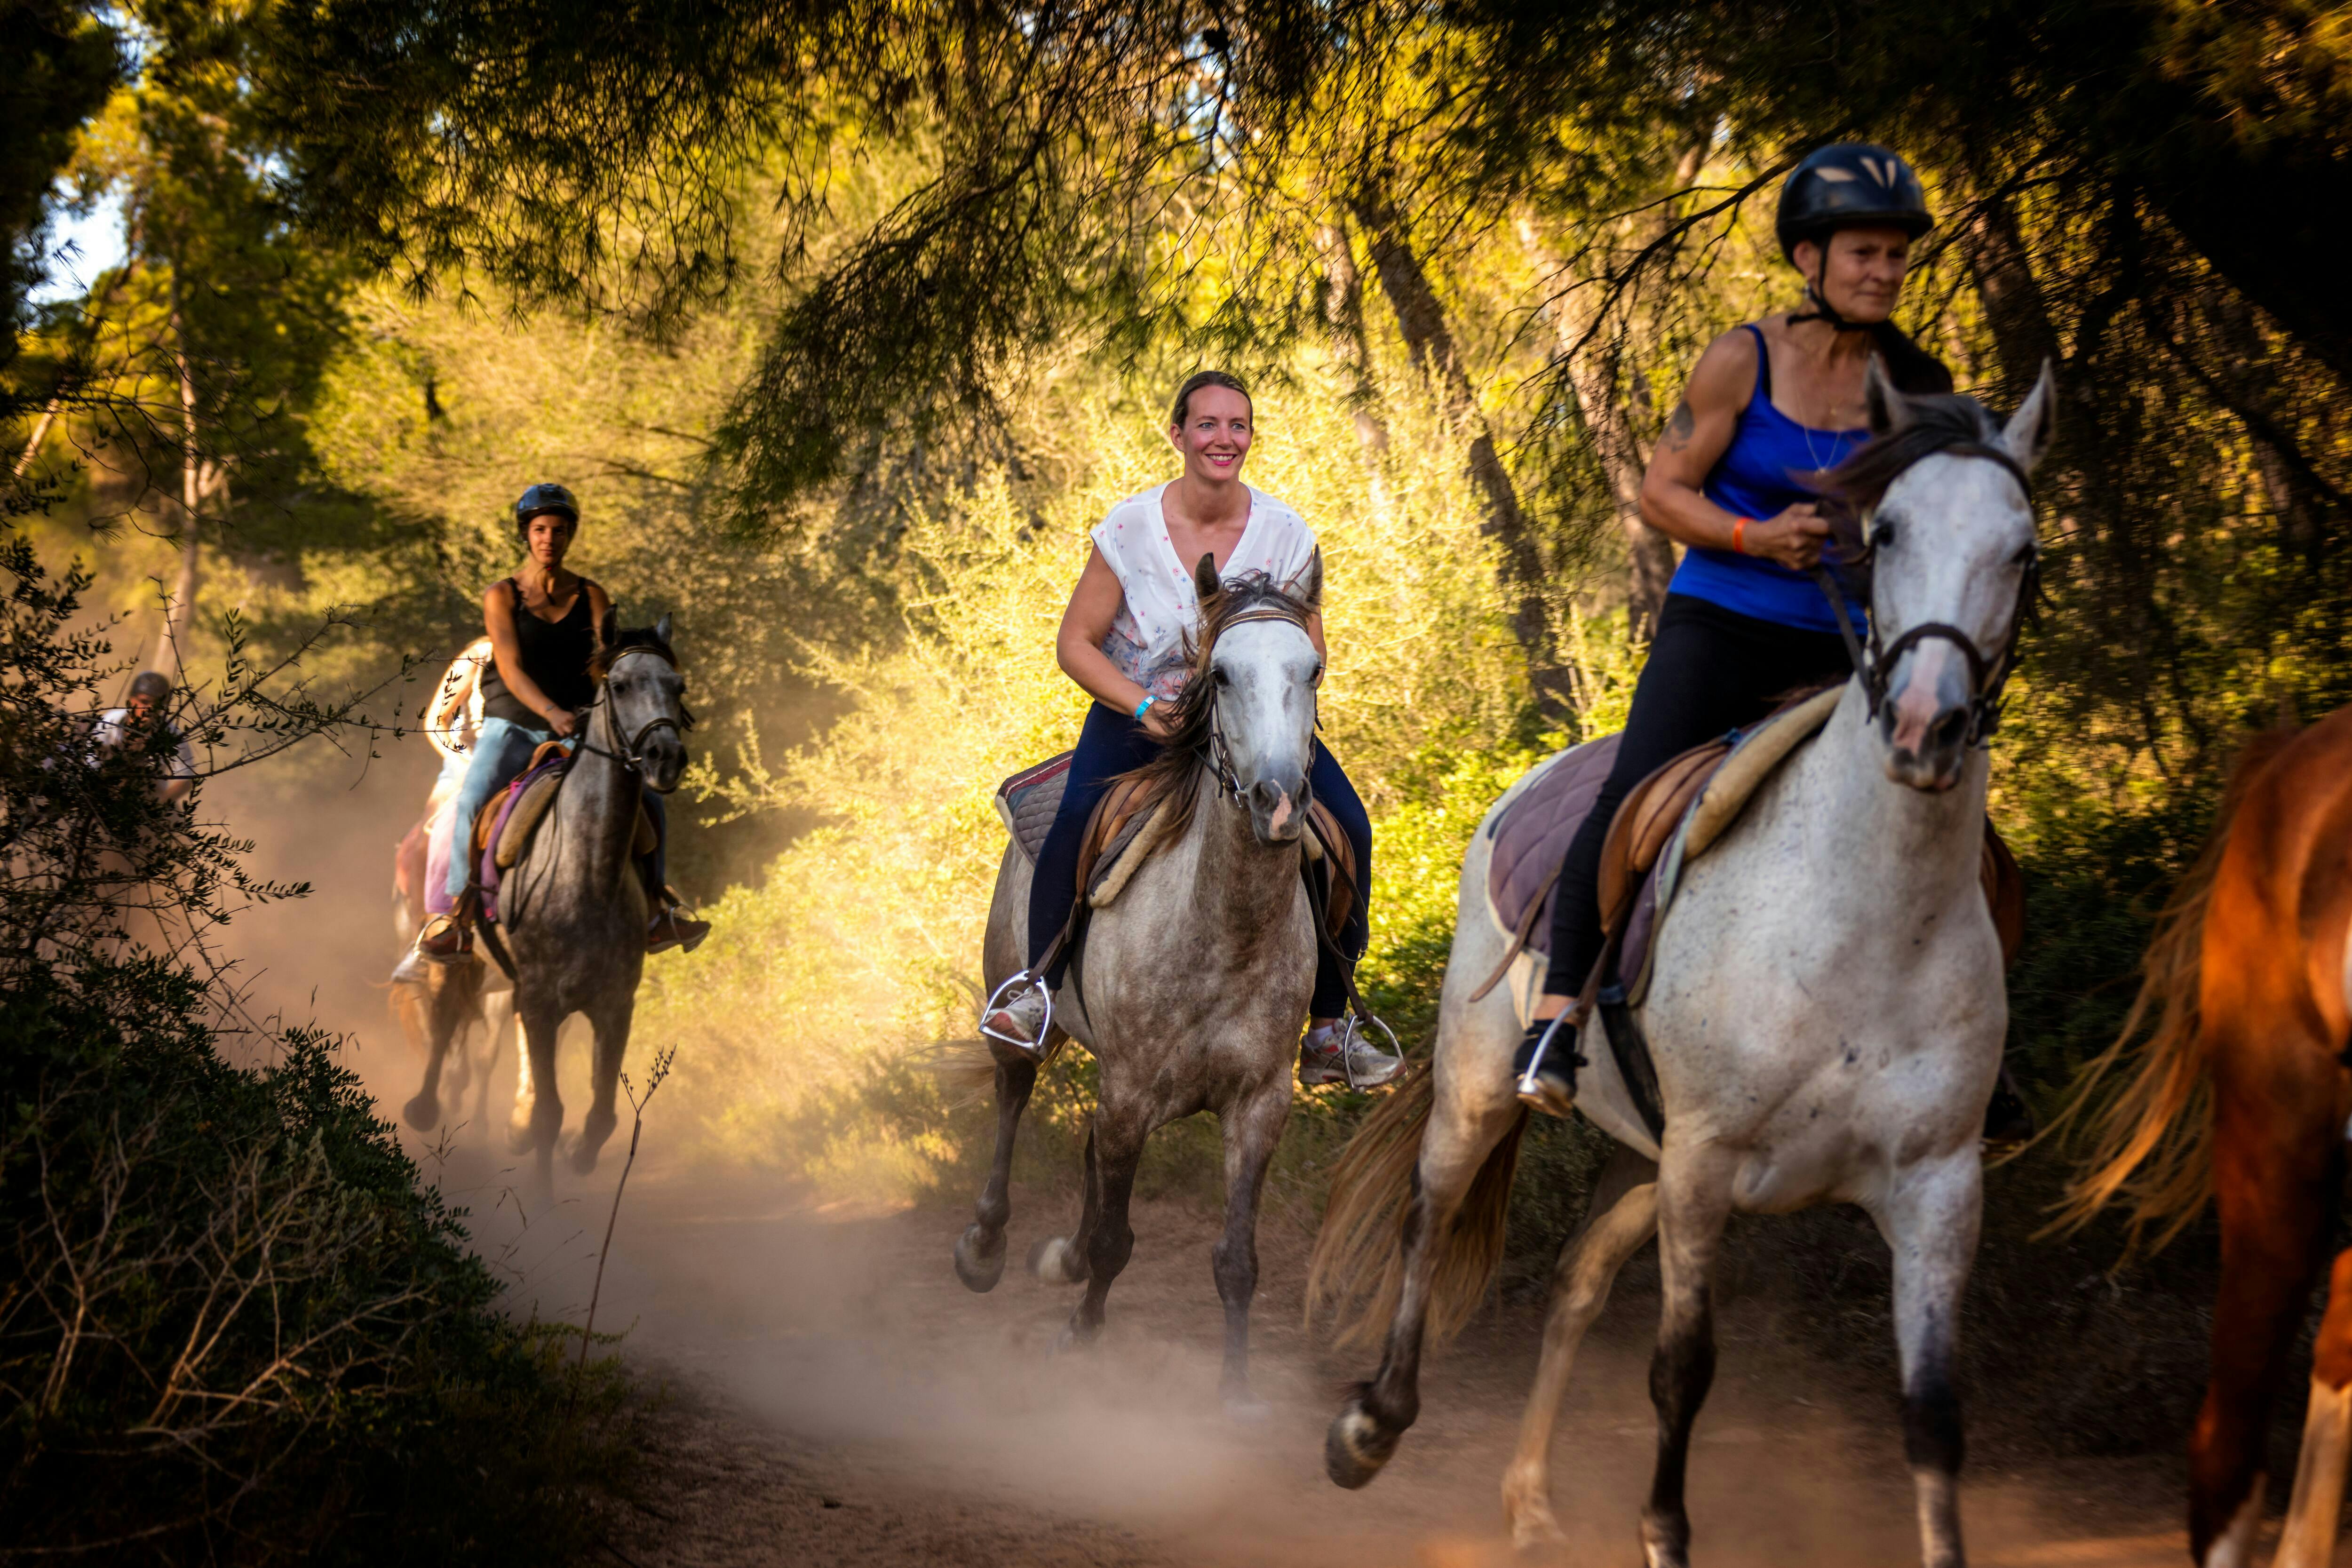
x=554, y=655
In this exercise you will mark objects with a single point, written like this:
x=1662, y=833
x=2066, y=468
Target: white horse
x=1192, y=986
x=1826, y=1018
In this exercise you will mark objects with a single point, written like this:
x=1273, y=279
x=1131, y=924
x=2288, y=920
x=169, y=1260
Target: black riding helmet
x=1850, y=185
x=545, y=498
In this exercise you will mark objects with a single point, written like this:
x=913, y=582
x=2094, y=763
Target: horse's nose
x=1926, y=721
x=1277, y=810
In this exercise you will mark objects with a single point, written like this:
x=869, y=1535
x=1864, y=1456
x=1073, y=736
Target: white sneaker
x=1019, y=1023
x=1335, y=1053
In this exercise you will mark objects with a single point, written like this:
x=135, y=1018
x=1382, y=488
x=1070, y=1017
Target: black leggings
x=1710, y=670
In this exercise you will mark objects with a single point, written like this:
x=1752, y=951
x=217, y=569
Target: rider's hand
x=1155, y=722
x=1793, y=540
x=561, y=721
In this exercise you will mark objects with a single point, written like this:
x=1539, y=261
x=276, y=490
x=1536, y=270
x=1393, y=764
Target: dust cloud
x=837, y=1396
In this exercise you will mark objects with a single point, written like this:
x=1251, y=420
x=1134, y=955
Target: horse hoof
x=583, y=1157
x=423, y=1112
x=1056, y=1262
x=979, y=1263
x=1073, y=1339
x=1356, y=1446
x=519, y=1138
x=1665, y=1543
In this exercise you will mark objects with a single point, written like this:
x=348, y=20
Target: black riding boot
x=1543, y=1070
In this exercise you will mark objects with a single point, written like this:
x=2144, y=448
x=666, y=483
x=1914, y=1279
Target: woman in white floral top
x=1122, y=640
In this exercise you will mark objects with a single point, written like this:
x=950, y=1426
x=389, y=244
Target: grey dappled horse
x=1193, y=985
x=1826, y=1016
x=572, y=910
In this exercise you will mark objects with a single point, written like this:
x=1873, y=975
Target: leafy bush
x=234, y=1326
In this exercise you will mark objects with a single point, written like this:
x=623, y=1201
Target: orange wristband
x=1739, y=534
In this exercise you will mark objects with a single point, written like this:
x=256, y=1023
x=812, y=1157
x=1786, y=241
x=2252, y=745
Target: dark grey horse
x=573, y=911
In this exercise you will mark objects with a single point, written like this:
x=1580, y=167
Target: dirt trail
x=841, y=1399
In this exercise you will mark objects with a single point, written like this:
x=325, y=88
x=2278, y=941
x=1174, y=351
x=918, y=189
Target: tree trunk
x=2021, y=334
x=1422, y=319
x=1590, y=378
x=1343, y=312
x=179, y=614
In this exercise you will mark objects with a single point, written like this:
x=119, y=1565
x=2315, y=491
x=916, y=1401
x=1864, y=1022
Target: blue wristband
x=1139, y=707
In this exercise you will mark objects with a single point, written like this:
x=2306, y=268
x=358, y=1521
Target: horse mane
x=600, y=663
x=1173, y=776
x=1849, y=491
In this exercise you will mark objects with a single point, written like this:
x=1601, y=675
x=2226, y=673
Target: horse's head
x=643, y=700
x=1952, y=554
x=1249, y=706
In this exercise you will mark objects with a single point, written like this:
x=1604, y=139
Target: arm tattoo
x=1680, y=427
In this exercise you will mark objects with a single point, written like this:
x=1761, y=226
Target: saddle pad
x=1531, y=837
x=1028, y=800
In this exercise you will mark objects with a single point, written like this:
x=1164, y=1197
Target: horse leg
x=1120, y=1132
x=1251, y=1129
x=1693, y=1198
x=520, y=1137
x=496, y=1016
x=2309, y=1538
x=454, y=990
x=1466, y=1125
x=1622, y=1216
x=612, y=1031
x=980, y=1251
x=1062, y=1259
x=2271, y=1188
x=1930, y=1224
x=539, y=1023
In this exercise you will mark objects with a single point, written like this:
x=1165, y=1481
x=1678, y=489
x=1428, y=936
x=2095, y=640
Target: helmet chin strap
x=1820, y=308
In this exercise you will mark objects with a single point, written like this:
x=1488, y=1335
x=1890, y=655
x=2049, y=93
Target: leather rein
x=1988, y=675
x=631, y=754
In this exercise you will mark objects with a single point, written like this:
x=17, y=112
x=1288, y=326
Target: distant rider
x=1123, y=641
x=541, y=622
x=141, y=722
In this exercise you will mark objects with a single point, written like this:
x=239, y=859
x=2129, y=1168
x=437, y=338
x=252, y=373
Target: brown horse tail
x=2152, y=1142
x=1358, y=1269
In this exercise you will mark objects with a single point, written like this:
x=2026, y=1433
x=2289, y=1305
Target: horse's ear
x=1205, y=581
x=608, y=630
x=2031, y=428
x=1889, y=410
x=1308, y=587
x=661, y=628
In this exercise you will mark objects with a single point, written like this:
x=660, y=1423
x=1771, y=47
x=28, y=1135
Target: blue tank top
x=1754, y=478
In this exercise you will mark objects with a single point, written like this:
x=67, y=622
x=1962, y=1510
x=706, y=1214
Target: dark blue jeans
x=1112, y=743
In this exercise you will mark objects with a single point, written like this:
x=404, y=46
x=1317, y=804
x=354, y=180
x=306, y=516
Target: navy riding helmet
x=545, y=498
x=1850, y=185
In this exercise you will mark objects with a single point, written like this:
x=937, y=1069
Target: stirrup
x=1002, y=996
x=1527, y=1089
x=1350, y=1030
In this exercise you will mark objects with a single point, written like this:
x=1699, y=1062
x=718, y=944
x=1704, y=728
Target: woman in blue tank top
x=1745, y=620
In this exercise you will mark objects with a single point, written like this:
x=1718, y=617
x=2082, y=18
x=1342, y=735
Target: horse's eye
x=1223, y=679
x=1882, y=534
x=1317, y=677
x=2026, y=554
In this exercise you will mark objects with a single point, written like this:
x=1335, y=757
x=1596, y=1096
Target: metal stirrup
x=1527, y=1084
x=1014, y=986
x=1351, y=1031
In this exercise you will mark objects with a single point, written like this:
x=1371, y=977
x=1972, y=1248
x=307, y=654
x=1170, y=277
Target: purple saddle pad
x=1531, y=839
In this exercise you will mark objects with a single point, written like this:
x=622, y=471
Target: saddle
x=1124, y=831
x=1699, y=793
x=503, y=828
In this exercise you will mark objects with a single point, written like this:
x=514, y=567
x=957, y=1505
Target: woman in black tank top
x=542, y=622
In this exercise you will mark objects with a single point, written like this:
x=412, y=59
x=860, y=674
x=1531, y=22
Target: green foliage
x=234, y=1324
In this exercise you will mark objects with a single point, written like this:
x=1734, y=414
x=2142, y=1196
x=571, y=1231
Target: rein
x=631, y=755
x=1987, y=677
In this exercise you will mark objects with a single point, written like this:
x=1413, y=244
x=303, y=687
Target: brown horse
x=2240, y=1093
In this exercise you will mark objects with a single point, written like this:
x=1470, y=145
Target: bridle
x=1987, y=677
x=1214, y=751
x=631, y=753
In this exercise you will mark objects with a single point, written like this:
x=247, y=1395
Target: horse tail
x=2152, y=1142
x=1357, y=1271
x=966, y=1070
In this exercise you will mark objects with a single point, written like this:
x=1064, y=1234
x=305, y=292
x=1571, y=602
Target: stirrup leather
x=1004, y=997
x=1353, y=1029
